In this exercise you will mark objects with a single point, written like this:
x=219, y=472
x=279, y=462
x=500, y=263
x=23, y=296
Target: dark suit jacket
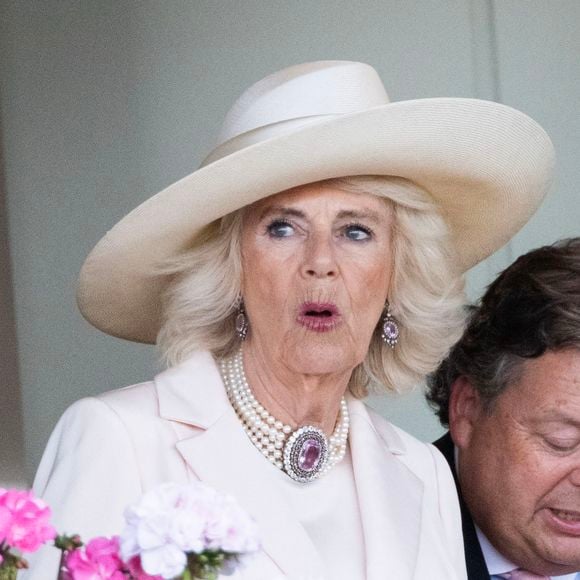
x=476, y=568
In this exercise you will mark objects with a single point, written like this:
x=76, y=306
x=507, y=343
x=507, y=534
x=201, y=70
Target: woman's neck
x=293, y=398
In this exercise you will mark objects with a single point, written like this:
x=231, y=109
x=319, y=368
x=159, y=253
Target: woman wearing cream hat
x=317, y=254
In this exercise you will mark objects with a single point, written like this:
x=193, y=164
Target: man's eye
x=562, y=444
x=280, y=229
x=357, y=232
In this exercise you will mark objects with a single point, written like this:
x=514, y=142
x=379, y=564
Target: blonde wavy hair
x=426, y=294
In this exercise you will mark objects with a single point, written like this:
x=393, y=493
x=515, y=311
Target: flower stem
x=61, y=566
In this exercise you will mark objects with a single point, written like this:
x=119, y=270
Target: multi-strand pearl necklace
x=304, y=454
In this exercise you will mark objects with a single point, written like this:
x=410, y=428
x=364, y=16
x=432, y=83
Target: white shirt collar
x=498, y=564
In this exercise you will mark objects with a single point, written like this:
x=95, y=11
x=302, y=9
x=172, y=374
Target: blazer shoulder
x=141, y=398
x=420, y=457
x=101, y=418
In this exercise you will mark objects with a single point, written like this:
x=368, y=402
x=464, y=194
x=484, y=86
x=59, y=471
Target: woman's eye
x=357, y=232
x=280, y=229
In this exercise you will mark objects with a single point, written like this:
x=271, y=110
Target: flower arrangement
x=175, y=531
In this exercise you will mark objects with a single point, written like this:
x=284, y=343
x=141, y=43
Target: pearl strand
x=267, y=433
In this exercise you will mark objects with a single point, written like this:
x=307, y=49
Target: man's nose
x=575, y=476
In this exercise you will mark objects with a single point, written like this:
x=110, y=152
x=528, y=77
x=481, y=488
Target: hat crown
x=302, y=94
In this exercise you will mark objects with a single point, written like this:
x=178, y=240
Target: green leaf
x=8, y=573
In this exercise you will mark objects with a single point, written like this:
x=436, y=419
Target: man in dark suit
x=509, y=392
x=476, y=567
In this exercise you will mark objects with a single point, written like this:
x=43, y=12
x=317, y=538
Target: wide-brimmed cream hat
x=487, y=165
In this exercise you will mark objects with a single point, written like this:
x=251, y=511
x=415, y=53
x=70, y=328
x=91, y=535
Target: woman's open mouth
x=319, y=316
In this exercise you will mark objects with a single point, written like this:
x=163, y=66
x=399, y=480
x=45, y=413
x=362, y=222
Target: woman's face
x=316, y=265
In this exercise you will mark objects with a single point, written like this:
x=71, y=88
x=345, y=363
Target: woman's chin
x=320, y=359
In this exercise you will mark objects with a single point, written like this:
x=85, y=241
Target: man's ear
x=464, y=410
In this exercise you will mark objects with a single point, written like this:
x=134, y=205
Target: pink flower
x=24, y=520
x=99, y=560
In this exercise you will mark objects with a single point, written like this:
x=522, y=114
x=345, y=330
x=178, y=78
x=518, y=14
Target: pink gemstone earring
x=241, y=321
x=390, y=333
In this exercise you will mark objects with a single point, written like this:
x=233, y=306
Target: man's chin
x=559, y=554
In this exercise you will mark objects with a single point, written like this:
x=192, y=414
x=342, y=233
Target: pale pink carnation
x=24, y=520
x=98, y=560
x=153, y=532
x=173, y=520
x=231, y=529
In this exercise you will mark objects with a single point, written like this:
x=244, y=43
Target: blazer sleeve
x=88, y=475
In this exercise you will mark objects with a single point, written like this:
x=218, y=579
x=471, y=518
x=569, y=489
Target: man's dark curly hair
x=532, y=307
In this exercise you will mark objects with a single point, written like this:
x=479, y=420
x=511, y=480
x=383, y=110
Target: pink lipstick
x=319, y=316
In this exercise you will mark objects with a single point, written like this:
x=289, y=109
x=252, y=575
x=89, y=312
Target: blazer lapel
x=222, y=456
x=391, y=526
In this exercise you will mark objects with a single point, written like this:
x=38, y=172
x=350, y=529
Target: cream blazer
x=107, y=450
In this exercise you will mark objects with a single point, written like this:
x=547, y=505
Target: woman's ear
x=464, y=410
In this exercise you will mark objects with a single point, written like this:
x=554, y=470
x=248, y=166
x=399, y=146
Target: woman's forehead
x=315, y=197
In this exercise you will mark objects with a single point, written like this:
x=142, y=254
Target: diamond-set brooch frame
x=292, y=450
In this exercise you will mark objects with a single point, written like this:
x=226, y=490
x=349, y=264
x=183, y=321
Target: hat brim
x=487, y=165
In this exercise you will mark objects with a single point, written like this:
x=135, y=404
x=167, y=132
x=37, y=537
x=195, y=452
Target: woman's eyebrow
x=365, y=214
x=282, y=211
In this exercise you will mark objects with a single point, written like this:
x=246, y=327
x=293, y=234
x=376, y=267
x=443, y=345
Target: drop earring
x=241, y=321
x=390, y=327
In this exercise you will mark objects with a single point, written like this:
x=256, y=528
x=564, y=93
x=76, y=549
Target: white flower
x=173, y=520
x=231, y=529
x=167, y=561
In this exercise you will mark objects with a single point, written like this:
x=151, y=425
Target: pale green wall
x=104, y=103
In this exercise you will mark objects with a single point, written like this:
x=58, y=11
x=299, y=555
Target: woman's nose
x=319, y=258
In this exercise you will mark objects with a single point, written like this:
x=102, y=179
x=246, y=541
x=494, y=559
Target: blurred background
x=102, y=104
